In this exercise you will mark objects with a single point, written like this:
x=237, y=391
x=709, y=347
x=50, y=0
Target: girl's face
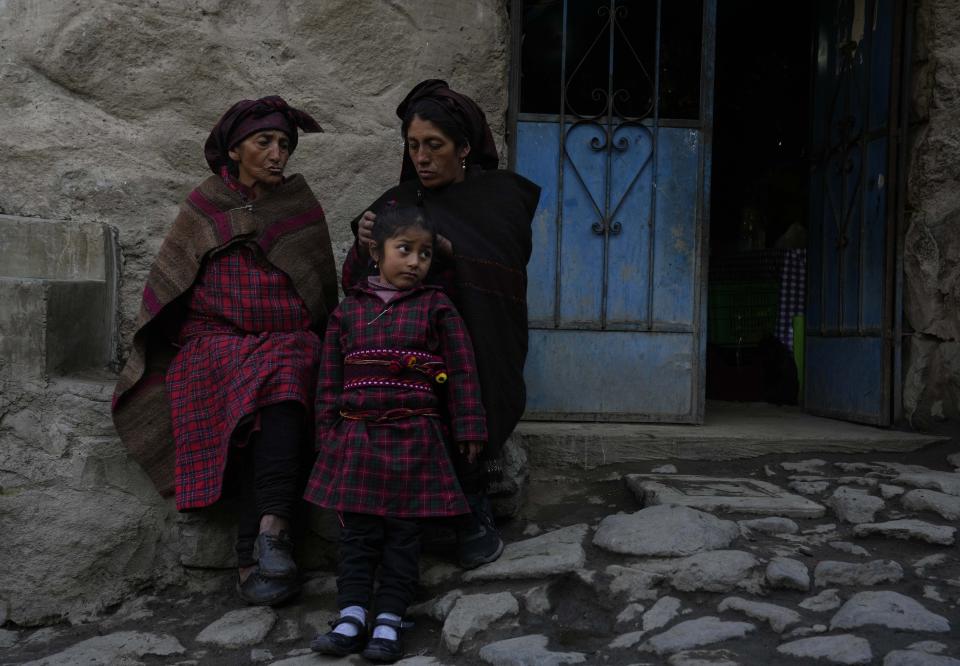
x=434, y=154
x=405, y=257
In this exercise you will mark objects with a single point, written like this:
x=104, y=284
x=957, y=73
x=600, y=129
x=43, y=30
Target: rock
x=771, y=525
x=536, y=600
x=318, y=621
x=809, y=487
x=627, y=616
x=551, y=553
x=778, y=617
x=417, y=661
x=801, y=632
x=721, y=494
x=932, y=647
x=888, y=609
x=850, y=574
x=259, y=655
x=135, y=609
x=472, y=614
x=509, y=493
x=438, y=609
x=917, y=530
x=42, y=636
x=627, y=640
x=812, y=466
x=824, y=601
x=321, y=585
x=439, y=574
x=664, y=531
x=850, y=548
x=714, y=571
x=635, y=584
x=8, y=638
x=948, y=506
x=783, y=572
x=530, y=650
x=661, y=613
x=889, y=492
x=696, y=633
x=839, y=649
x=932, y=593
x=917, y=658
x=702, y=658
x=854, y=506
x=954, y=459
x=946, y=482
x=664, y=469
x=532, y=530
x=122, y=647
x=289, y=631
x=920, y=566
x=239, y=628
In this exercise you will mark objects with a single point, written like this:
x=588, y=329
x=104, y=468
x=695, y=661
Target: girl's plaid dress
x=383, y=419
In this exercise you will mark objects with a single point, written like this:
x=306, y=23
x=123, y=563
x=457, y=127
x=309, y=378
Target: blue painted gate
x=614, y=122
x=856, y=198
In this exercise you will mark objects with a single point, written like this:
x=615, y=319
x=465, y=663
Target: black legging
x=271, y=472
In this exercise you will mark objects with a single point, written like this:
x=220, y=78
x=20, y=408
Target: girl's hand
x=471, y=450
x=444, y=246
x=365, y=232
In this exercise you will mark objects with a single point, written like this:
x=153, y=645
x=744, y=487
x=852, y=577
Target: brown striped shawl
x=289, y=227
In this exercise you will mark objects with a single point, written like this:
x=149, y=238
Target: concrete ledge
x=731, y=431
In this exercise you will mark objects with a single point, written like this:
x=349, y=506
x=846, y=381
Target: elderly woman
x=218, y=389
x=484, y=217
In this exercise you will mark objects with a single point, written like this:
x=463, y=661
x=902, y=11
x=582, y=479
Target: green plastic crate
x=741, y=313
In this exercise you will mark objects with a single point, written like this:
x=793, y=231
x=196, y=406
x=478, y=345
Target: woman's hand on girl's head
x=471, y=450
x=365, y=232
x=444, y=246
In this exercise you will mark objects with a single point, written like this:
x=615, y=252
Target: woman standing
x=219, y=386
x=483, y=215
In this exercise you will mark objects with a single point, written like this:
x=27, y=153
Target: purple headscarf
x=254, y=115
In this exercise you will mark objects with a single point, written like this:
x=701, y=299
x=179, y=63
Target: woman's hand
x=365, y=232
x=471, y=450
x=444, y=246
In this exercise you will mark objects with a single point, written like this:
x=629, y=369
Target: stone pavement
x=841, y=559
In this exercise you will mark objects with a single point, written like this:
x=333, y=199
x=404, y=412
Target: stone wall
x=931, y=389
x=105, y=107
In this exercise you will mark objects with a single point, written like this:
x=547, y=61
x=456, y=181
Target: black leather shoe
x=340, y=645
x=274, y=555
x=480, y=543
x=384, y=650
x=258, y=590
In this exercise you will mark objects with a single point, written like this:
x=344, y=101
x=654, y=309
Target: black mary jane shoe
x=340, y=645
x=258, y=590
x=274, y=555
x=384, y=650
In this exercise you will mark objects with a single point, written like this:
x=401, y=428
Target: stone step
x=58, y=297
x=731, y=431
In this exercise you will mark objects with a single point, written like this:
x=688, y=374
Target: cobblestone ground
x=806, y=559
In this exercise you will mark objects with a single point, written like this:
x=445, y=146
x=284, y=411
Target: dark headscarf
x=464, y=112
x=254, y=115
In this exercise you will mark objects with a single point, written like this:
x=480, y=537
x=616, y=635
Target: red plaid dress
x=245, y=343
x=397, y=467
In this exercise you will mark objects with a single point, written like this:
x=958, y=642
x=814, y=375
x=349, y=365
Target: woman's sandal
x=385, y=650
x=340, y=645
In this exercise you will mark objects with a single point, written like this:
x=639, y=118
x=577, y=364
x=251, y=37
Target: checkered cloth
x=401, y=467
x=793, y=285
x=245, y=343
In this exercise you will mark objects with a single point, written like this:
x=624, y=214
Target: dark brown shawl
x=289, y=227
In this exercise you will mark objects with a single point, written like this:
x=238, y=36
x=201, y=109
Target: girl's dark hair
x=392, y=221
x=431, y=111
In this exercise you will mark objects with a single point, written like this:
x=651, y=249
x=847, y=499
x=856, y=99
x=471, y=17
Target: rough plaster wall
x=105, y=107
x=106, y=103
x=932, y=244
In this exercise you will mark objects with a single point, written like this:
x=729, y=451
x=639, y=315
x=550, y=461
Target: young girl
x=397, y=382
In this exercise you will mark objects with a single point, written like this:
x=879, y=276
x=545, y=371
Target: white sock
x=346, y=628
x=383, y=631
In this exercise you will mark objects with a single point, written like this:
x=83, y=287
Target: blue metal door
x=614, y=121
x=856, y=199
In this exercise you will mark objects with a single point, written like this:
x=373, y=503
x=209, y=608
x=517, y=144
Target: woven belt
x=377, y=416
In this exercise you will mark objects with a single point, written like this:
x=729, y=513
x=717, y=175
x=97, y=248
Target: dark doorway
x=759, y=199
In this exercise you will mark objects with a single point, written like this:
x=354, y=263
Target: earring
x=463, y=164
